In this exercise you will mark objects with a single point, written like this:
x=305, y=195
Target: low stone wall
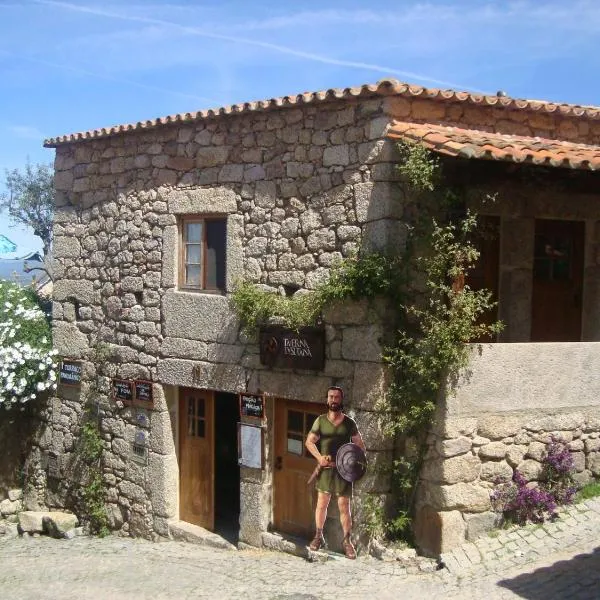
x=493, y=426
x=11, y=503
x=17, y=433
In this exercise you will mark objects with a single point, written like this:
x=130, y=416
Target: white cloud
x=28, y=132
x=240, y=40
x=465, y=44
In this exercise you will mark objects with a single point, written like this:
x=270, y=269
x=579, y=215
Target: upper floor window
x=203, y=246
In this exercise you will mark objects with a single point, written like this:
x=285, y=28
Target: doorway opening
x=557, y=281
x=227, y=470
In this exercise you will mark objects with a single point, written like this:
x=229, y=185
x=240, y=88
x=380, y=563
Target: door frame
x=209, y=419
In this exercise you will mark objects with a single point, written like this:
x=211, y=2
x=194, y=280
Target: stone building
x=156, y=221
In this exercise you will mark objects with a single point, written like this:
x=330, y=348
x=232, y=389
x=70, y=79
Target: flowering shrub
x=521, y=501
x=558, y=472
x=28, y=365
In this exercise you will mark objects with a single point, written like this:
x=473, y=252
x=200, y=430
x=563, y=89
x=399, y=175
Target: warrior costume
x=331, y=438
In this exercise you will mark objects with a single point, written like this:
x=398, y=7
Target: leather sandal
x=317, y=542
x=349, y=550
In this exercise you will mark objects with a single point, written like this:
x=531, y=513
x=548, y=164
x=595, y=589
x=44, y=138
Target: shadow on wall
x=578, y=577
x=17, y=429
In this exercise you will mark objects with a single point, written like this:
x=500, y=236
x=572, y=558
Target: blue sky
x=69, y=66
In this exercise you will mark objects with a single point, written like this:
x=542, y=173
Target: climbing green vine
x=431, y=349
x=437, y=314
x=89, y=451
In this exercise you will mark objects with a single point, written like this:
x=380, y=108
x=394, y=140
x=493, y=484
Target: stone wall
x=11, y=504
x=300, y=189
x=512, y=401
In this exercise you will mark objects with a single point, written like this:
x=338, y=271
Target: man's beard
x=335, y=407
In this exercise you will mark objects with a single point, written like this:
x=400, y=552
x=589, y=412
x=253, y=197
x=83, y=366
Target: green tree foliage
x=30, y=200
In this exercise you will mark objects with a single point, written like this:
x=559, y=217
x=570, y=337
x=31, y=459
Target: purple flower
x=523, y=501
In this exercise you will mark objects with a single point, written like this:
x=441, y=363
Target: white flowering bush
x=28, y=365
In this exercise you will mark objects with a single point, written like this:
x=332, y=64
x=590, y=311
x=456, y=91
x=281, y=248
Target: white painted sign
x=250, y=446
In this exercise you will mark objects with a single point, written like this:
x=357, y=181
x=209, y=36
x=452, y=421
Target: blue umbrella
x=6, y=245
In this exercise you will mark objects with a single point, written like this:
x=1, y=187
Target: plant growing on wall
x=363, y=276
x=439, y=316
x=88, y=454
x=28, y=365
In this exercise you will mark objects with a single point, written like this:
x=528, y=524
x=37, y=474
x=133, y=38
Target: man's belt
x=318, y=470
x=350, y=462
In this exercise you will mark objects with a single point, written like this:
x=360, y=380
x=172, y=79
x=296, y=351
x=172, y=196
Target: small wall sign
x=139, y=454
x=140, y=438
x=70, y=372
x=142, y=419
x=143, y=393
x=53, y=466
x=122, y=389
x=287, y=348
x=252, y=405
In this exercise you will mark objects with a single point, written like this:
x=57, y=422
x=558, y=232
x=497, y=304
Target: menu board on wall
x=250, y=446
x=122, y=389
x=143, y=393
x=252, y=405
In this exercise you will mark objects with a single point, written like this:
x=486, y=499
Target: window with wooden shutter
x=202, y=257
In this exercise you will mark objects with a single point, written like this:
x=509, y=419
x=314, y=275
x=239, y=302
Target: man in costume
x=332, y=430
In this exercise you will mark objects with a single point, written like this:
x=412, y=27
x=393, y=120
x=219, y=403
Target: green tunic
x=330, y=439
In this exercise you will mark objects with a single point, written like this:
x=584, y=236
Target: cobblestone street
x=555, y=561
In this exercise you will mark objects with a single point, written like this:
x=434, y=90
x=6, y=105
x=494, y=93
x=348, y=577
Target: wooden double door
x=557, y=278
x=293, y=500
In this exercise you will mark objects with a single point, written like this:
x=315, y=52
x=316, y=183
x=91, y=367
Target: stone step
x=294, y=545
x=186, y=532
x=54, y=523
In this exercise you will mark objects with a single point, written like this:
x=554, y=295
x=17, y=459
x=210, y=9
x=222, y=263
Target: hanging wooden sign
x=288, y=348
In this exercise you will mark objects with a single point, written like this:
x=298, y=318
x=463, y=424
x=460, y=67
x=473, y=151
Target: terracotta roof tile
x=385, y=87
x=472, y=143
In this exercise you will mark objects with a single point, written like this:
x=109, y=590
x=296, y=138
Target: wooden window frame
x=307, y=426
x=203, y=219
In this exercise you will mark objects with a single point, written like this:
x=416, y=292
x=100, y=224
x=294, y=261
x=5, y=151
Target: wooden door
x=485, y=272
x=196, y=457
x=293, y=506
x=557, y=281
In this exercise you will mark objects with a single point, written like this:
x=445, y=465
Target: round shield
x=351, y=462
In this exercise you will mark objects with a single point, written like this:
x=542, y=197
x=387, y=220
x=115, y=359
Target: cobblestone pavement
x=555, y=561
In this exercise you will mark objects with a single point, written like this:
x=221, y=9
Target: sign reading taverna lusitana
x=288, y=348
